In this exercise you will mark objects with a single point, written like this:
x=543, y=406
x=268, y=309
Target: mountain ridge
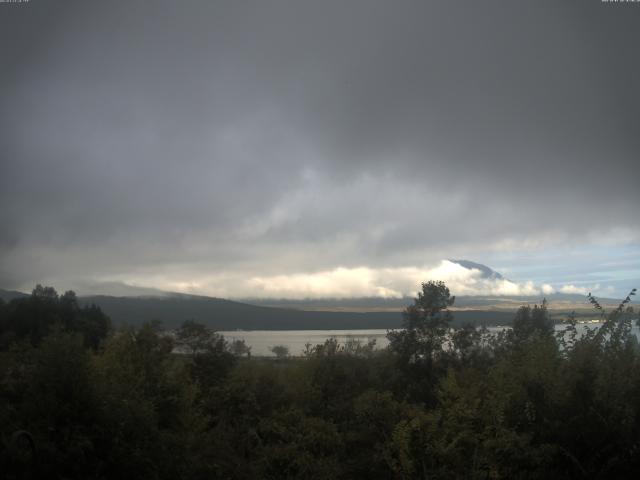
x=487, y=272
x=224, y=314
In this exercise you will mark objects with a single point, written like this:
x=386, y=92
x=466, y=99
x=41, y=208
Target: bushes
x=436, y=404
x=36, y=316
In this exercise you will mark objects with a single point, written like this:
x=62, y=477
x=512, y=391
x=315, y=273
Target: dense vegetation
x=81, y=400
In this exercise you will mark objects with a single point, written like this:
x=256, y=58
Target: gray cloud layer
x=156, y=140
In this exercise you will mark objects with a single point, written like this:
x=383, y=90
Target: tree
x=426, y=324
x=211, y=360
x=195, y=337
x=146, y=405
x=34, y=317
x=280, y=351
x=529, y=321
x=240, y=348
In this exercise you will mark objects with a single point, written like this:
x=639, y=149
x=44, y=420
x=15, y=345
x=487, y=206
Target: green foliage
x=34, y=317
x=280, y=351
x=331, y=347
x=210, y=357
x=240, y=348
x=146, y=405
x=440, y=402
x=196, y=338
x=295, y=445
x=532, y=321
x=420, y=346
x=54, y=401
x=426, y=323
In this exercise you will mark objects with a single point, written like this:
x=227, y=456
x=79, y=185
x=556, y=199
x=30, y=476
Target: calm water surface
x=261, y=341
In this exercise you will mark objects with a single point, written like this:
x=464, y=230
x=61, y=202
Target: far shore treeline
x=83, y=397
x=220, y=314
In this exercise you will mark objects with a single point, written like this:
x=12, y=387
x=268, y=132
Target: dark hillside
x=8, y=295
x=222, y=314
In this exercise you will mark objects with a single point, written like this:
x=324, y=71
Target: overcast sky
x=325, y=148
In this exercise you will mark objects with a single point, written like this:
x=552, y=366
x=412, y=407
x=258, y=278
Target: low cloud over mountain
x=243, y=145
x=462, y=276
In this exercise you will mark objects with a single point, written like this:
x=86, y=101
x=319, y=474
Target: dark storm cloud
x=191, y=137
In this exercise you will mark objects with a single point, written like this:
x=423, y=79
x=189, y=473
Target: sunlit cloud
x=237, y=155
x=384, y=282
x=586, y=289
x=547, y=289
x=575, y=289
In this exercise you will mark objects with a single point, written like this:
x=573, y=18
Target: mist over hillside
x=171, y=309
x=222, y=314
x=8, y=295
x=555, y=301
x=134, y=305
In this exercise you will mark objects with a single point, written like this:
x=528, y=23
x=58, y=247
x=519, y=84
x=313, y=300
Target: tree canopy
x=80, y=400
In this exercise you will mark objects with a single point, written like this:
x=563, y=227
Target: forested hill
x=222, y=314
x=8, y=295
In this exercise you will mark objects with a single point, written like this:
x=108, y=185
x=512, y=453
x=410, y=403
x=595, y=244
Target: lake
x=261, y=341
